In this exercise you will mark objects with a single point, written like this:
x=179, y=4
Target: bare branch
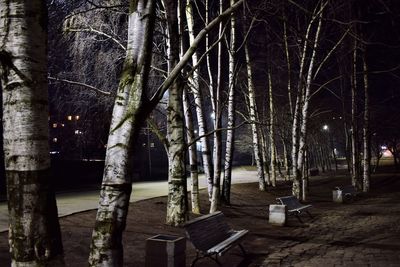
x=99, y=91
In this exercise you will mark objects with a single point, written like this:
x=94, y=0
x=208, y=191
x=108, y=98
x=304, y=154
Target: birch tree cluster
x=286, y=82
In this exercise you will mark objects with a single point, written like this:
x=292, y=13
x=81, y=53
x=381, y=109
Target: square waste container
x=277, y=214
x=165, y=251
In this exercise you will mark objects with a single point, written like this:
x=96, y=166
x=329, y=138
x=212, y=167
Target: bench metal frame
x=294, y=207
x=212, y=237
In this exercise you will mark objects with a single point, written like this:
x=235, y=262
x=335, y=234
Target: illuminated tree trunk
x=230, y=133
x=34, y=231
x=257, y=148
x=272, y=130
x=304, y=121
x=129, y=114
x=216, y=191
x=366, y=134
x=198, y=100
x=194, y=173
x=177, y=191
x=354, y=129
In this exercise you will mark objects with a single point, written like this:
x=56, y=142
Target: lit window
x=54, y=125
x=77, y=117
x=55, y=140
x=151, y=144
x=69, y=118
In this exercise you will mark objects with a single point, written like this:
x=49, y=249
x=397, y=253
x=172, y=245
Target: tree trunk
x=177, y=191
x=198, y=99
x=257, y=147
x=216, y=191
x=230, y=133
x=366, y=136
x=34, y=231
x=304, y=116
x=194, y=173
x=272, y=130
x=354, y=129
x=129, y=114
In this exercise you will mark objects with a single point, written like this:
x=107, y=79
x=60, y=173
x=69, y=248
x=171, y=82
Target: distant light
x=78, y=132
x=69, y=118
x=195, y=131
x=340, y=117
x=54, y=152
x=383, y=147
x=54, y=125
x=62, y=124
x=151, y=144
x=325, y=127
x=77, y=117
x=212, y=115
x=55, y=140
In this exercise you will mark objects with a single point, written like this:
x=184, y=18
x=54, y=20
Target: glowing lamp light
x=325, y=127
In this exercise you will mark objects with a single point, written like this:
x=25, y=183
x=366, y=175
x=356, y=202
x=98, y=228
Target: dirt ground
x=365, y=232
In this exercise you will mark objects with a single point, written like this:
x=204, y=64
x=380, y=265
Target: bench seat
x=294, y=207
x=212, y=236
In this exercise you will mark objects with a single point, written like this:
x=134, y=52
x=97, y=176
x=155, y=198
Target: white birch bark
x=300, y=97
x=272, y=130
x=216, y=189
x=230, y=133
x=304, y=122
x=289, y=89
x=194, y=173
x=34, y=231
x=129, y=114
x=198, y=99
x=177, y=191
x=366, y=134
x=253, y=118
x=354, y=128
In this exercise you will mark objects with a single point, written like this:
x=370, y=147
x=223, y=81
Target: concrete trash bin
x=277, y=214
x=165, y=251
x=337, y=196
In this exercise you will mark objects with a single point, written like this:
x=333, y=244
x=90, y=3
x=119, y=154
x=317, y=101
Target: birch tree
x=230, y=133
x=129, y=114
x=216, y=98
x=198, y=99
x=34, y=231
x=192, y=151
x=355, y=178
x=257, y=148
x=366, y=131
x=176, y=205
x=272, y=129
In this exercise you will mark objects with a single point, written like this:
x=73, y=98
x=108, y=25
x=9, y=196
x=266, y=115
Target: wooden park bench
x=212, y=236
x=345, y=193
x=294, y=207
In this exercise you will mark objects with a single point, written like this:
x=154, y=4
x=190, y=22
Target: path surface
x=70, y=203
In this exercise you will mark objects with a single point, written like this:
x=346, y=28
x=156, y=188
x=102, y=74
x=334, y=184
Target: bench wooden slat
x=211, y=235
x=228, y=243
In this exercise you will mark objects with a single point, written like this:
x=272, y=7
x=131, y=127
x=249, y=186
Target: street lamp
x=325, y=127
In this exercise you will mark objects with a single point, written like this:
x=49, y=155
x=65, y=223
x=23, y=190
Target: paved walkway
x=70, y=203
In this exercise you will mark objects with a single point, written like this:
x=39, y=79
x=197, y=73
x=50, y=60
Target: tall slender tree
x=230, y=133
x=131, y=108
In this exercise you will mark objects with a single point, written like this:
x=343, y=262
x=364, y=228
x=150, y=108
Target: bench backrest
x=208, y=230
x=290, y=201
